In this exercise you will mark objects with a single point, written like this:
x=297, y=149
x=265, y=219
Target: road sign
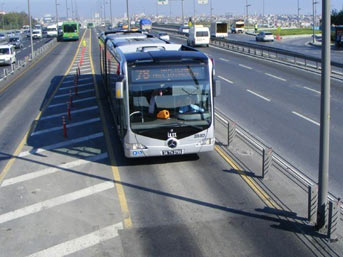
x=162, y=2
x=202, y=1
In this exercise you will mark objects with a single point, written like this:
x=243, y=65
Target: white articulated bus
x=161, y=94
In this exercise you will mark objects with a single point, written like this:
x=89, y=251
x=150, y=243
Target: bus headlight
x=135, y=146
x=208, y=141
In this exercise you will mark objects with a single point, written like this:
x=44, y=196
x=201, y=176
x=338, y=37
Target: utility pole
x=3, y=16
x=104, y=11
x=263, y=8
x=193, y=10
x=72, y=10
x=324, y=117
x=30, y=23
x=298, y=15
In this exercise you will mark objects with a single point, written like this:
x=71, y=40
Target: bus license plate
x=172, y=152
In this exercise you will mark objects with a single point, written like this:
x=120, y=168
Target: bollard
x=70, y=98
x=267, y=160
x=334, y=219
x=312, y=203
x=231, y=132
x=75, y=85
x=79, y=70
x=64, y=127
x=68, y=111
x=5, y=75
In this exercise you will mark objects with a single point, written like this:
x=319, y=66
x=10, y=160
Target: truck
x=145, y=24
x=219, y=29
x=237, y=26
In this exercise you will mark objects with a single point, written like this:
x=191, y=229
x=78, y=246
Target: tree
x=14, y=20
x=337, y=17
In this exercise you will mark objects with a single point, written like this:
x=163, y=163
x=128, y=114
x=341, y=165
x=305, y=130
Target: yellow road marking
x=252, y=184
x=22, y=142
x=115, y=170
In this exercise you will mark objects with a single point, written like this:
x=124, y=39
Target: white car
x=7, y=54
x=163, y=35
x=264, y=36
x=37, y=34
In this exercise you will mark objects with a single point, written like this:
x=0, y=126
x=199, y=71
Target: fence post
x=334, y=219
x=267, y=160
x=231, y=132
x=312, y=203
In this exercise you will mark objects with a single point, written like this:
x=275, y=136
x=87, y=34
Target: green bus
x=70, y=30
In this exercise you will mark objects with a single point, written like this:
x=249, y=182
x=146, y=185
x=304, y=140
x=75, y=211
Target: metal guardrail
x=267, y=52
x=20, y=64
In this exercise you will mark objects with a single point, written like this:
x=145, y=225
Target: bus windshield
x=169, y=96
x=70, y=28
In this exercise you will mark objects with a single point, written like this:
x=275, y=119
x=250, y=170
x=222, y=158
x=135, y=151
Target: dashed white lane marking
x=225, y=79
x=83, y=65
x=43, y=131
x=74, y=101
x=244, y=66
x=61, y=144
x=275, y=77
x=91, y=108
x=258, y=95
x=37, y=207
x=223, y=59
x=47, y=171
x=79, y=85
x=318, y=92
x=85, y=69
x=79, y=92
x=81, y=243
x=306, y=118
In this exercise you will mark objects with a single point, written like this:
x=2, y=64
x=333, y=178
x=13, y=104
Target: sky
x=87, y=8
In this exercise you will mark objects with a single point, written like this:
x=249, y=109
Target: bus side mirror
x=119, y=89
x=216, y=87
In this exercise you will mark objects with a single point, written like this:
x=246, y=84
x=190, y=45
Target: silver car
x=264, y=36
x=16, y=42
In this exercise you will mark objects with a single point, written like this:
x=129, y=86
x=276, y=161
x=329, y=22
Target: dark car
x=16, y=42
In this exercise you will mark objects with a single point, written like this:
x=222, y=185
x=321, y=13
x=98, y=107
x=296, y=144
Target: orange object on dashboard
x=164, y=114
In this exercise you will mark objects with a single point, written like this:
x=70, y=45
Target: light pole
x=67, y=9
x=3, y=16
x=30, y=23
x=104, y=3
x=263, y=9
x=182, y=12
x=128, y=16
x=111, y=13
x=247, y=11
x=323, y=176
x=56, y=14
x=314, y=17
x=211, y=9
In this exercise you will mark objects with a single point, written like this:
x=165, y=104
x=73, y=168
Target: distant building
x=2, y=12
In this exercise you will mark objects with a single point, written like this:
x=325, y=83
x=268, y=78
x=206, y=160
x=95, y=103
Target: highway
x=299, y=44
x=280, y=105
x=76, y=194
x=26, y=50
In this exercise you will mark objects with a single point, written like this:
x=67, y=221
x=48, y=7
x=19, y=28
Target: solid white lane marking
x=47, y=171
x=85, y=69
x=306, y=118
x=318, y=92
x=223, y=59
x=80, y=243
x=79, y=92
x=244, y=66
x=225, y=79
x=83, y=65
x=275, y=77
x=43, y=131
x=79, y=85
x=74, y=101
x=72, y=112
x=61, y=144
x=258, y=95
x=37, y=207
